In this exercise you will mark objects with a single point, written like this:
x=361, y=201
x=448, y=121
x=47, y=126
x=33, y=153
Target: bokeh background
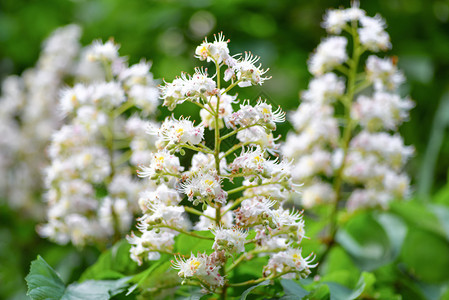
x=282, y=32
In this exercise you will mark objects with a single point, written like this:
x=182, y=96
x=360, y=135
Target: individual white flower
x=250, y=161
x=398, y=185
x=229, y=239
x=318, y=162
x=324, y=89
x=162, y=161
x=372, y=34
x=254, y=211
x=91, y=118
x=268, y=116
x=202, y=267
x=181, y=131
x=317, y=193
x=92, y=163
x=288, y=222
x=247, y=72
x=204, y=186
x=200, y=84
x=316, y=126
x=159, y=213
x=389, y=148
x=362, y=168
x=336, y=19
x=367, y=198
x=108, y=94
x=187, y=87
x=383, y=73
x=163, y=194
x=72, y=98
x=290, y=261
x=124, y=185
x=107, y=52
x=145, y=97
x=217, y=51
x=206, y=162
x=173, y=93
x=137, y=74
x=150, y=244
x=330, y=53
x=258, y=136
x=383, y=110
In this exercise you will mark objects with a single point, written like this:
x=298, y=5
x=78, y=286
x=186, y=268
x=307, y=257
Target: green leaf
x=339, y=292
x=367, y=257
x=292, y=290
x=339, y=267
x=112, y=264
x=248, y=291
x=186, y=244
x=418, y=215
x=373, y=240
x=426, y=255
x=43, y=282
x=442, y=213
x=396, y=231
x=95, y=289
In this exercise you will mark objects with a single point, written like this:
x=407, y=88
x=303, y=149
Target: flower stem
x=347, y=133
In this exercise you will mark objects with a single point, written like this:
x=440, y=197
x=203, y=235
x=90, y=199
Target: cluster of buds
x=28, y=119
x=261, y=181
x=90, y=182
x=365, y=153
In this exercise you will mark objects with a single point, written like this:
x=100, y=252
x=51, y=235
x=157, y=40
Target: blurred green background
x=282, y=32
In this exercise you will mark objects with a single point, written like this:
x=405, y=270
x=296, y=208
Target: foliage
x=399, y=254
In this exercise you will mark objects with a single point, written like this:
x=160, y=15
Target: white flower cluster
x=363, y=149
x=266, y=181
x=28, y=118
x=90, y=181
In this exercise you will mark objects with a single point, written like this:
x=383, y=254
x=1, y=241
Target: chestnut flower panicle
x=360, y=148
x=230, y=213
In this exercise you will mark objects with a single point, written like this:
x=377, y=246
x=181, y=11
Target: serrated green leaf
x=43, y=282
x=249, y=290
x=292, y=290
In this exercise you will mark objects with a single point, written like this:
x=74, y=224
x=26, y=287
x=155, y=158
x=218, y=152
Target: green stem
x=197, y=212
x=198, y=149
x=231, y=86
x=202, y=106
x=234, y=148
x=244, y=187
x=347, y=133
x=256, y=281
x=236, y=131
x=125, y=106
x=184, y=232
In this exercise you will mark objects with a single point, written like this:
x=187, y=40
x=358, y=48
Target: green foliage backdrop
x=283, y=33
